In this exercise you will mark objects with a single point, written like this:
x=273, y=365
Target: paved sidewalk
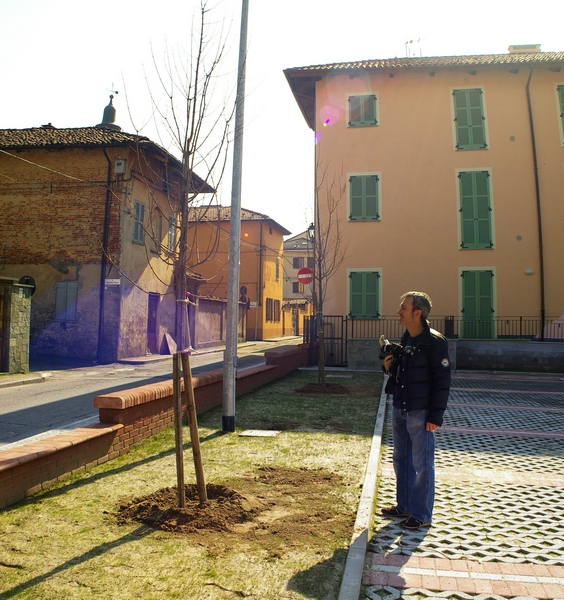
x=498, y=527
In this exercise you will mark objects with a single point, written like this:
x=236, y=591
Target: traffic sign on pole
x=305, y=275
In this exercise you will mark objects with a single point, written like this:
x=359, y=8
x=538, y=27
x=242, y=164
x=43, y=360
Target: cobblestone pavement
x=498, y=525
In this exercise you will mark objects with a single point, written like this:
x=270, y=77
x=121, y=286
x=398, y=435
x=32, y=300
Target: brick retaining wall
x=126, y=418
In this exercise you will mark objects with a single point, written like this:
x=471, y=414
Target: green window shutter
x=371, y=294
x=138, y=233
x=66, y=294
x=362, y=111
x=483, y=210
x=356, y=291
x=171, y=239
x=475, y=210
x=364, y=294
x=363, y=190
x=356, y=199
x=469, y=119
x=371, y=196
x=560, y=89
x=477, y=303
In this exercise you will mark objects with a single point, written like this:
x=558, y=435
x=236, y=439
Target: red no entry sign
x=305, y=275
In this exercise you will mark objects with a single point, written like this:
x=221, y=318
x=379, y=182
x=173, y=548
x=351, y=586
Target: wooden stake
x=177, y=400
x=193, y=423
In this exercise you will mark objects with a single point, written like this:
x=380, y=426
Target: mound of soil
x=294, y=506
x=224, y=508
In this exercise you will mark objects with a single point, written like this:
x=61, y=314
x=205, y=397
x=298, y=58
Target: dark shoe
x=411, y=523
x=393, y=511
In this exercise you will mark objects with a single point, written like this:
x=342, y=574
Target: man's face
x=407, y=316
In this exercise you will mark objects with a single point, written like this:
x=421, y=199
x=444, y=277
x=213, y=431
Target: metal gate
x=334, y=338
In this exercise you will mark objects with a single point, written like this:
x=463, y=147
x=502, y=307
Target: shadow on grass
x=323, y=580
x=88, y=479
x=95, y=552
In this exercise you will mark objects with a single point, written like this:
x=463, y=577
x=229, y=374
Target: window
x=65, y=300
x=310, y=262
x=362, y=111
x=272, y=310
x=277, y=268
x=469, y=119
x=475, y=210
x=363, y=197
x=157, y=231
x=297, y=287
x=298, y=262
x=171, y=235
x=364, y=294
x=139, y=215
x=560, y=91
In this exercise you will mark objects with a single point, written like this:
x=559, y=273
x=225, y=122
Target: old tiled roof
x=223, y=213
x=49, y=137
x=302, y=79
x=440, y=62
x=300, y=241
x=78, y=137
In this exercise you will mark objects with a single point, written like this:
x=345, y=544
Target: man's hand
x=431, y=427
x=388, y=363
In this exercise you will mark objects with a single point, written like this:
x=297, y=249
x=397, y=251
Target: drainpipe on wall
x=539, y=212
x=104, y=261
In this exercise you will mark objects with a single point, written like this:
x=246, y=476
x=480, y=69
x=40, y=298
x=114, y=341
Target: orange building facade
x=454, y=183
x=261, y=264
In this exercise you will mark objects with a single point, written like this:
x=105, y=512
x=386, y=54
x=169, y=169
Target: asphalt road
x=65, y=399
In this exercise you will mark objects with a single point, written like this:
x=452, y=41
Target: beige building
x=88, y=221
x=298, y=255
x=454, y=185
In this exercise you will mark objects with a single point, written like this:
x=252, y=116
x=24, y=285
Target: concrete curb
x=24, y=381
x=352, y=576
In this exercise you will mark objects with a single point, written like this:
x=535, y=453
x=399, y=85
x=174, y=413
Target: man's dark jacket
x=426, y=377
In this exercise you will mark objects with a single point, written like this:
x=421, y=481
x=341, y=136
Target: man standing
x=419, y=381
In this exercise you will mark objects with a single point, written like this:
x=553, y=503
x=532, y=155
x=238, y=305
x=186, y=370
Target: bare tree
x=329, y=248
x=198, y=126
x=195, y=118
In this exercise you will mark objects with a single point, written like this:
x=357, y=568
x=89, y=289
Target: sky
x=60, y=60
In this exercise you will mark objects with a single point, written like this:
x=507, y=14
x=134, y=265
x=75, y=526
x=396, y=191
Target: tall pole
x=232, y=321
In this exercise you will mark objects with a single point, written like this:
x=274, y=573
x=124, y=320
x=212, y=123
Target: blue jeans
x=414, y=463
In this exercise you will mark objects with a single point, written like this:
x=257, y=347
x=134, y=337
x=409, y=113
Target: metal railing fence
x=338, y=330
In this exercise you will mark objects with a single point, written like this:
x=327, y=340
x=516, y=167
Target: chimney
x=525, y=49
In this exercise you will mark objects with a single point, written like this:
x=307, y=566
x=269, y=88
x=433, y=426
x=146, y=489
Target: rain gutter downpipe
x=104, y=261
x=539, y=211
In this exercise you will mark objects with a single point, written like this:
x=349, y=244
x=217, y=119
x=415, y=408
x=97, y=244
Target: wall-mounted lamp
x=529, y=271
x=311, y=232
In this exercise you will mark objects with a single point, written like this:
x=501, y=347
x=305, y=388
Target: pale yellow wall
x=416, y=242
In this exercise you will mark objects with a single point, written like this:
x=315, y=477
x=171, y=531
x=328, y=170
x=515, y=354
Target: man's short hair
x=421, y=301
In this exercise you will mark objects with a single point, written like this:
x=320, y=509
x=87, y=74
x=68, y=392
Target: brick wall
x=126, y=418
